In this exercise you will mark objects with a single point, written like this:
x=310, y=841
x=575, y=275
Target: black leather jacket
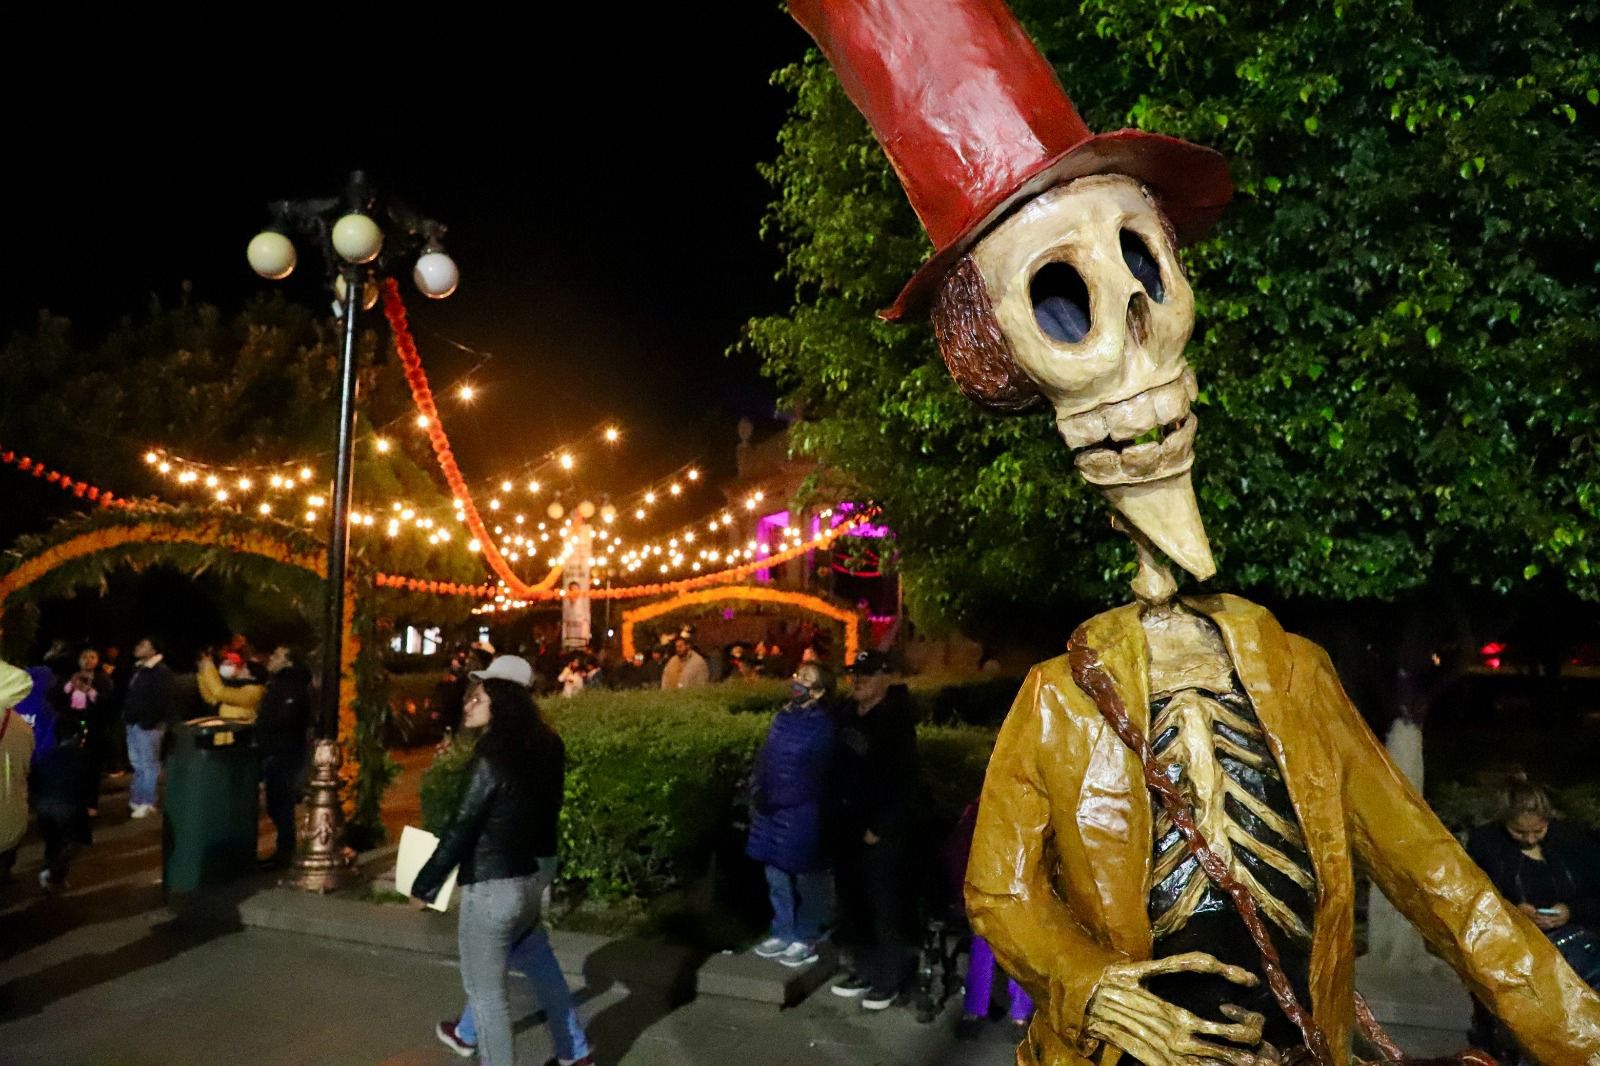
x=505, y=823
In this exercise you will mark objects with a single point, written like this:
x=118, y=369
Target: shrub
x=656, y=781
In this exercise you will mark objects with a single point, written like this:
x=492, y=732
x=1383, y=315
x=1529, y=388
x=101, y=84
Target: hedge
x=656, y=780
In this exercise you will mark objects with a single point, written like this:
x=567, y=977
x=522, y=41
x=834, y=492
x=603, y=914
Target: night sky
x=597, y=173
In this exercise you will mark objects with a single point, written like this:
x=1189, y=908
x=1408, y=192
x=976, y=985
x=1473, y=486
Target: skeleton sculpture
x=1055, y=278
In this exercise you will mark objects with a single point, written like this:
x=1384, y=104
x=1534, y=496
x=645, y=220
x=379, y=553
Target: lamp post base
x=321, y=861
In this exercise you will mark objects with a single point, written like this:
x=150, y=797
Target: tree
x=1396, y=338
x=251, y=388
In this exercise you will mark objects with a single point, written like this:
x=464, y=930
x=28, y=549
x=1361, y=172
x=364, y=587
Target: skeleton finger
x=1247, y=1030
x=1198, y=962
x=1133, y=1043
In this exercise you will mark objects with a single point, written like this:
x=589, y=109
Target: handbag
x=1093, y=679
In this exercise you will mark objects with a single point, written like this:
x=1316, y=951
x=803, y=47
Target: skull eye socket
x=1146, y=271
x=1060, y=303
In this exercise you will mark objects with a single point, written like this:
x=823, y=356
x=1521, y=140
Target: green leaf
x=1435, y=335
x=1312, y=124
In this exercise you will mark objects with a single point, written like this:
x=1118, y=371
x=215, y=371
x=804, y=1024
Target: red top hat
x=974, y=121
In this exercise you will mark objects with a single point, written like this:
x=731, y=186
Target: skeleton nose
x=1138, y=322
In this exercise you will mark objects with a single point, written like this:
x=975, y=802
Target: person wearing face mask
x=503, y=839
x=788, y=793
x=875, y=801
x=229, y=688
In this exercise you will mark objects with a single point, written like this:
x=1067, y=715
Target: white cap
x=506, y=668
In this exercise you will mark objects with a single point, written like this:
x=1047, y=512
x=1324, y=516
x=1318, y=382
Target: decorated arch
x=851, y=621
x=82, y=552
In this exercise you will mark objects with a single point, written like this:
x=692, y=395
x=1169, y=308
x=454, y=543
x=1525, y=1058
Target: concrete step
x=599, y=961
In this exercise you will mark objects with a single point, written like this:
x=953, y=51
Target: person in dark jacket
x=149, y=706
x=789, y=790
x=283, y=719
x=55, y=788
x=1549, y=869
x=875, y=793
x=86, y=695
x=503, y=839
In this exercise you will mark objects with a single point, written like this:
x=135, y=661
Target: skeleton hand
x=1124, y=1013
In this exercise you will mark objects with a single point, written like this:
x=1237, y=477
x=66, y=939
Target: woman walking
x=503, y=838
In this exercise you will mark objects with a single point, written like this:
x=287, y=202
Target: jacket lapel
x=1113, y=806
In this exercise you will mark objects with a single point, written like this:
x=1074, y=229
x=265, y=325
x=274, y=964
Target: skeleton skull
x=1086, y=291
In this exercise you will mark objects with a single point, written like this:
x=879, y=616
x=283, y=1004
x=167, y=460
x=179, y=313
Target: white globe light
x=271, y=255
x=369, y=293
x=555, y=510
x=436, y=275
x=357, y=238
x=608, y=513
x=586, y=509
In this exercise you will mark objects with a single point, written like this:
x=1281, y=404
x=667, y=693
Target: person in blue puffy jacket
x=789, y=792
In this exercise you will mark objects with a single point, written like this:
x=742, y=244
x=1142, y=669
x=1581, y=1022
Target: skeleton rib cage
x=1214, y=748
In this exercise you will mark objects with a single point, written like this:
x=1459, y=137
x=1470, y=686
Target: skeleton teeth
x=1170, y=403
x=1132, y=417
x=1141, y=460
x=1080, y=431
x=1098, y=466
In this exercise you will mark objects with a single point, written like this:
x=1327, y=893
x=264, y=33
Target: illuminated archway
x=80, y=552
x=747, y=594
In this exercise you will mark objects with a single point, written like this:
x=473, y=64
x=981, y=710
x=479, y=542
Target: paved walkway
x=106, y=975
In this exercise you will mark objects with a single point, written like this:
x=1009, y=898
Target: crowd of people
x=85, y=714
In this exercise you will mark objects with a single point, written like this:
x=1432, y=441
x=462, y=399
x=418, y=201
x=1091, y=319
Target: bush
x=656, y=781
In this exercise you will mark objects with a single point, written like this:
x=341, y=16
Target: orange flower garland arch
x=747, y=594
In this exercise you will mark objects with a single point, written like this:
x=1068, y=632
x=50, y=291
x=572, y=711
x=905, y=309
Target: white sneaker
x=799, y=954
x=44, y=878
x=142, y=810
x=771, y=947
x=878, y=1000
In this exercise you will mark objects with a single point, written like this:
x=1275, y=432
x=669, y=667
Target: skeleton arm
x=1426, y=874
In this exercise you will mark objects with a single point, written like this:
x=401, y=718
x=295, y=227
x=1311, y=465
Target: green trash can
x=210, y=833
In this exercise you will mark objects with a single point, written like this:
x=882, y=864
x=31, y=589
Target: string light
x=466, y=392
x=382, y=445
x=423, y=421
x=612, y=433
x=566, y=461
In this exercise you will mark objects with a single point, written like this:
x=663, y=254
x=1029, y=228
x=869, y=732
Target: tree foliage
x=253, y=388
x=1396, y=335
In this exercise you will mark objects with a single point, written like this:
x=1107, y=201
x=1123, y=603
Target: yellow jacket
x=1059, y=877
x=232, y=701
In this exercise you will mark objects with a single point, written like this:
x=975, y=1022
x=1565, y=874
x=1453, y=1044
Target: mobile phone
x=1548, y=911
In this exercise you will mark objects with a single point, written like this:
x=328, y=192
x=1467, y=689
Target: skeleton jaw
x=1147, y=482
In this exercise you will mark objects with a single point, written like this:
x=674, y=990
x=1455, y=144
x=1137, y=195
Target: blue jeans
x=801, y=904
x=144, y=752
x=532, y=955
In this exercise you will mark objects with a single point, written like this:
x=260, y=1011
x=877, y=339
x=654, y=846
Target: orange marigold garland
x=406, y=347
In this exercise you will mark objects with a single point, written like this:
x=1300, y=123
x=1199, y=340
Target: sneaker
x=851, y=987
x=44, y=880
x=446, y=1032
x=878, y=999
x=142, y=810
x=799, y=954
x=771, y=947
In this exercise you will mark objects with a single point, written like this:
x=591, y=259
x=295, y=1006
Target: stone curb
x=599, y=961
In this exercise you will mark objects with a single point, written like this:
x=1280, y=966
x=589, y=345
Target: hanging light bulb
x=566, y=461
x=423, y=421
x=383, y=445
x=466, y=392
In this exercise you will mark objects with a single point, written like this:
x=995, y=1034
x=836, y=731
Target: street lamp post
x=356, y=250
